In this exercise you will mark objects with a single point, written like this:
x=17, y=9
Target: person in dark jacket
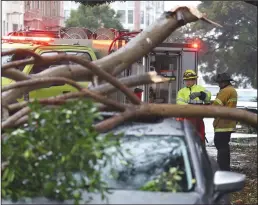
x=223, y=129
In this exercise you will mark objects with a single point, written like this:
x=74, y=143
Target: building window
x=130, y=3
x=3, y=28
x=147, y=18
x=121, y=15
x=130, y=16
x=142, y=17
x=15, y=27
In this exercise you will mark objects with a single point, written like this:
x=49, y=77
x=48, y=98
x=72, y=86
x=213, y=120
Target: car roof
x=246, y=89
x=150, y=126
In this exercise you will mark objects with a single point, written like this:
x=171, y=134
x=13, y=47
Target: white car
x=214, y=89
x=247, y=99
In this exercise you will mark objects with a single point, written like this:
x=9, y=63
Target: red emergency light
x=28, y=39
x=195, y=45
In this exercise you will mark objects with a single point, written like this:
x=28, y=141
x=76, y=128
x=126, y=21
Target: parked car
x=155, y=146
x=214, y=89
x=247, y=99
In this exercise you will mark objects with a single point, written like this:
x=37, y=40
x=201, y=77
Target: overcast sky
x=171, y=4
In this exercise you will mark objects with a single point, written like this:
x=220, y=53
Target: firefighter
x=227, y=97
x=194, y=94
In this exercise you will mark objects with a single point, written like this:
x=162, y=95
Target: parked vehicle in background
x=214, y=89
x=247, y=99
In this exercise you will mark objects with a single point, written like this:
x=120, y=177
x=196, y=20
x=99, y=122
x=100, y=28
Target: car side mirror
x=227, y=182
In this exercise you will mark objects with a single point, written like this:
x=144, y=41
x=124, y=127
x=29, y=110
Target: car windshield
x=147, y=157
x=6, y=59
x=247, y=95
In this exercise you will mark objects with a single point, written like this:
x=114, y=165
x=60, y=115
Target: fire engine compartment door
x=189, y=60
x=166, y=64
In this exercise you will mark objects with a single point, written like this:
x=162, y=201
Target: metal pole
x=170, y=86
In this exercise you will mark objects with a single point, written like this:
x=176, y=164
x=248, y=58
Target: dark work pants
x=221, y=141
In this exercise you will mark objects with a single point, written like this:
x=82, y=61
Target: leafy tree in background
x=232, y=48
x=94, y=3
x=94, y=17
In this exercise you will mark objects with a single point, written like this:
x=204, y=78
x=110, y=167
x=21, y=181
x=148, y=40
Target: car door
x=57, y=88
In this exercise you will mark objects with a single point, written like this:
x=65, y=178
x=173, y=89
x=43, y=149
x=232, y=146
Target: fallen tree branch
x=112, y=80
x=131, y=81
x=170, y=110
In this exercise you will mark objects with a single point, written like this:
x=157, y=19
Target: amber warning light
x=25, y=38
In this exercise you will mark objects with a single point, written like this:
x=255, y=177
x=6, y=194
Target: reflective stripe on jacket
x=226, y=97
x=183, y=95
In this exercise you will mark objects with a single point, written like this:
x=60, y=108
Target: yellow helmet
x=189, y=74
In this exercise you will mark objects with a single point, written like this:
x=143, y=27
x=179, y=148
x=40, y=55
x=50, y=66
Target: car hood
x=126, y=197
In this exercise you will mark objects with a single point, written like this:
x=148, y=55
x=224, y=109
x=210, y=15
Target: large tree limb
x=170, y=110
x=13, y=95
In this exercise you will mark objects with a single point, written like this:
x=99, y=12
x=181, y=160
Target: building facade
x=135, y=15
x=12, y=16
x=44, y=15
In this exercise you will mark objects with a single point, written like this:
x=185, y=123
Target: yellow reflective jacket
x=184, y=93
x=226, y=97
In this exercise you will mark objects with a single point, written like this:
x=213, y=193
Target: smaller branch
x=42, y=81
x=21, y=121
x=109, y=78
x=15, y=74
x=11, y=120
x=114, y=121
x=20, y=51
x=130, y=81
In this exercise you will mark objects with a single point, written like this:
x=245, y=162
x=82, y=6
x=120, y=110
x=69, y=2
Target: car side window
x=83, y=55
x=38, y=69
x=17, y=57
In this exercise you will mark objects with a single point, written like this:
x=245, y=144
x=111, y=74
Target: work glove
x=194, y=95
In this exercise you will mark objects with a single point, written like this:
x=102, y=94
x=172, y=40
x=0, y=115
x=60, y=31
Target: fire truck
x=169, y=60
